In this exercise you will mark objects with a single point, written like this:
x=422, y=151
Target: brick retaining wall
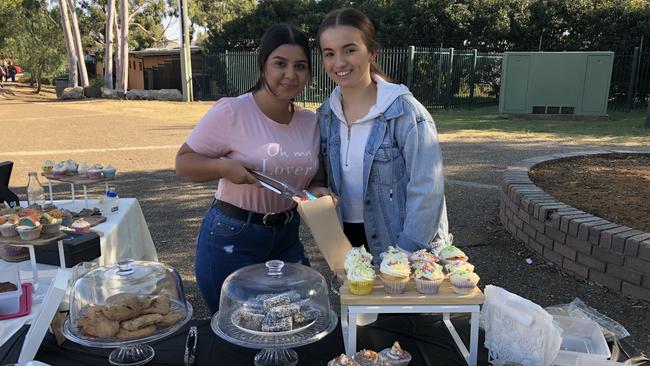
x=583, y=245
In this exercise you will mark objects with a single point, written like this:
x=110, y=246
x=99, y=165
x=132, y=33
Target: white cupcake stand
x=444, y=302
x=73, y=180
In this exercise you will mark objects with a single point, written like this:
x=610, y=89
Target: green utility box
x=555, y=85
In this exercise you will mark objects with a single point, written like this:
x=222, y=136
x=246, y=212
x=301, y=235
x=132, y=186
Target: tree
x=36, y=42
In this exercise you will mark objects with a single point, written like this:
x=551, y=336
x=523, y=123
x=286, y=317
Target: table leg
x=344, y=325
x=32, y=260
x=49, y=185
x=473, y=339
x=457, y=339
x=85, y=196
x=61, y=254
x=352, y=334
x=72, y=190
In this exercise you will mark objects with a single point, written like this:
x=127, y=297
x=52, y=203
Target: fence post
x=409, y=70
x=472, y=79
x=450, y=86
x=647, y=116
x=630, y=88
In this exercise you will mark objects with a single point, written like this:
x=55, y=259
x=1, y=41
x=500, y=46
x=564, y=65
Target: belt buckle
x=288, y=216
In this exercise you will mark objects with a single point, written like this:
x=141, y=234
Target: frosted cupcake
x=366, y=357
x=28, y=229
x=343, y=360
x=361, y=278
x=108, y=171
x=393, y=253
x=395, y=274
x=451, y=268
x=420, y=257
x=396, y=355
x=428, y=278
x=463, y=282
x=452, y=255
x=356, y=255
x=50, y=223
x=48, y=165
x=8, y=225
x=81, y=226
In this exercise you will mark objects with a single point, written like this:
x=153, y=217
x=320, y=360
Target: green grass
x=621, y=128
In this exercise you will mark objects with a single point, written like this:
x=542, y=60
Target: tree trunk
x=108, y=44
x=118, y=50
x=37, y=76
x=69, y=45
x=124, y=47
x=77, y=43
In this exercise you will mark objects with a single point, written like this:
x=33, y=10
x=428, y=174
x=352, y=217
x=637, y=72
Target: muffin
x=356, y=255
x=361, y=279
x=395, y=274
x=81, y=226
x=51, y=225
x=468, y=267
x=109, y=171
x=463, y=282
x=396, y=355
x=366, y=357
x=28, y=228
x=8, y=225
x=452, y=255
x=428, y=278
x=47, y=166
x=343, y=360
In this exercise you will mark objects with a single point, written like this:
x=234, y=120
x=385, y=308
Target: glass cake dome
x=125, y=305
x=274, y=306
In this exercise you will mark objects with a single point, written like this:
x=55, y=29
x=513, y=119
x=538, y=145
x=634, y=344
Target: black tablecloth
x=424, y=336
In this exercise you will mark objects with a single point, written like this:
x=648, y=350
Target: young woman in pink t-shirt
x=260, y=130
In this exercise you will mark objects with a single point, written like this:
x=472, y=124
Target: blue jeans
x=226, y=244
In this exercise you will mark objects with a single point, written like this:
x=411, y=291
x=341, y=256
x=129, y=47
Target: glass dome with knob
x=274, y=306
x=124, y=306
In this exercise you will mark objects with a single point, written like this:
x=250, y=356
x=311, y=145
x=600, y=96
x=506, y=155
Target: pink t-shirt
x=236, y=128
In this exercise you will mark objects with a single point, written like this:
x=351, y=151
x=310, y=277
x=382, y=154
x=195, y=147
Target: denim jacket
x=403, y=182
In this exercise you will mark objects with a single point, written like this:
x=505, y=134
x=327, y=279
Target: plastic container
x=111, y=202
x=581, y=338
x=10, y=301
x=590, y=361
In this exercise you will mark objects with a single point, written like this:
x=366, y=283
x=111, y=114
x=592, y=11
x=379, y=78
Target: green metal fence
x=630, y=86
x=438, y=77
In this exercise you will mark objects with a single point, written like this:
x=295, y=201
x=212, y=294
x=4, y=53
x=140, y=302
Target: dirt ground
x=615, y=187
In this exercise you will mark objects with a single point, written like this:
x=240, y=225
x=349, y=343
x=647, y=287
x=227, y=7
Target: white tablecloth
x=124, y=235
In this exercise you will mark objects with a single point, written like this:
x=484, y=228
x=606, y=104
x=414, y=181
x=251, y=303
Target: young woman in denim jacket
x=260, y=130
x=379, y=146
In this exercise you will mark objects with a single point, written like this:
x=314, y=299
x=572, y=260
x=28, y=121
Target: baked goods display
x=396, y=355
x=128, y=317
x=274, y=313
x=70, y=168
x=391, y=356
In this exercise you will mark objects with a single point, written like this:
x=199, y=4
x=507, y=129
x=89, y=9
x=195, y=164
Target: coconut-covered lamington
x=275, y=312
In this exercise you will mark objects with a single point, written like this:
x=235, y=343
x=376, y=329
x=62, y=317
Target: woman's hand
x=324, y=191
x=238, y=172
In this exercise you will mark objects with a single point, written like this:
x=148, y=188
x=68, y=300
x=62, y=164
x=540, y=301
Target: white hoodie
x=353, y=145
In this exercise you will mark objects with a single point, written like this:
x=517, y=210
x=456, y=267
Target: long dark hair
x=274, y=37
x=354, y=18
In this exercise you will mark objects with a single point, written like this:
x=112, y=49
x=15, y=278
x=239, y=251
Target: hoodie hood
x=386, y=95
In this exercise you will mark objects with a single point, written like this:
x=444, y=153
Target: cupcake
x=109, y=171
x=463, y=282
x=361, y=279
x=8, y=225
x=58, y=171
x=428, y=278
x=356, y=255
x=51, y=225
x=81, y=226
x=392, y=252
x=366, y=357
x=47, y=166
x=94, y=173
x=452, y=255
x=396, y=355
x=343, y=360
x=395, y=274
x=468, y=267
x=28, y=228
x=70, y=167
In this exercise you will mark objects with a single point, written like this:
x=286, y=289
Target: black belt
x=269, y=219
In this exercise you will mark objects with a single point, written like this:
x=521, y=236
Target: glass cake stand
x=292, y=300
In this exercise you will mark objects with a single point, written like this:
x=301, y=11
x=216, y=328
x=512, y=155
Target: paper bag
x=320, y=216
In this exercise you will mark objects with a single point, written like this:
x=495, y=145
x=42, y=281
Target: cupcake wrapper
x=427, y=287
x=394, y=287
x=462, y=290
x=360, y=287
x=9, y=232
